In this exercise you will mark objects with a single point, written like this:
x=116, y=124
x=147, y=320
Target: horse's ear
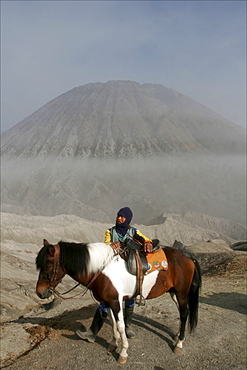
x=51, y=250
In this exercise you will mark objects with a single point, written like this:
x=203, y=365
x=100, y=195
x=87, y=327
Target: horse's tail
x=193, y=299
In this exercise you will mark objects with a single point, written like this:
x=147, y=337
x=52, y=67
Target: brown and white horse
x=95, y=266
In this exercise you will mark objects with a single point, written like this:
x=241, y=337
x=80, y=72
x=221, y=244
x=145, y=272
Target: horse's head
x=51, y=271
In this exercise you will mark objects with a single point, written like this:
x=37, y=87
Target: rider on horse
x=120, y=233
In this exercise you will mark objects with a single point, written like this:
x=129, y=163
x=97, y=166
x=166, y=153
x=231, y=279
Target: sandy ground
x=47, y=338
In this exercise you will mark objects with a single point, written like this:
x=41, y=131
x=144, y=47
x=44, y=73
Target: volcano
x=121, y=119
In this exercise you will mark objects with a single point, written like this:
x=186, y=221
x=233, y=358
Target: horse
x=98, y=267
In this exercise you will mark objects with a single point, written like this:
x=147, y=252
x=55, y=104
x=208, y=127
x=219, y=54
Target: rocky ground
x=44, y=337
x=41, y=334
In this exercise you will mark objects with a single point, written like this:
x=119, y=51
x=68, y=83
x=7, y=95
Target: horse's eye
x=47, y=274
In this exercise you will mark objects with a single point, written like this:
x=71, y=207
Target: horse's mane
x=74, y=257
x=79, y=257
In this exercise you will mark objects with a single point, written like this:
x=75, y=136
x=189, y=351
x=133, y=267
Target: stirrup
x=140, y=301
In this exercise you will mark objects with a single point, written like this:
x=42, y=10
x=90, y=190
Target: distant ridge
x=121, y=119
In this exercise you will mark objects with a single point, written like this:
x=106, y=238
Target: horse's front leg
x=116, y=336
x=118, y=326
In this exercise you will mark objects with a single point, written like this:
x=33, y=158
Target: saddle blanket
x=156, y=261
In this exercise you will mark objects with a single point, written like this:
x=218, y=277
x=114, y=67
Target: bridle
x=54, y=281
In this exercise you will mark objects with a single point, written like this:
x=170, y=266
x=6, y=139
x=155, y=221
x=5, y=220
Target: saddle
x=137, y=264
x=135, y=253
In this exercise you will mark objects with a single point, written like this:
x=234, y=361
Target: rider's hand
x=148, y=247
x=115, y=245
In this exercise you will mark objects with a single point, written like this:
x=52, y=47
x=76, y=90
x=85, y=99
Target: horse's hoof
x=111, y=348
x=122, y=360
x=177, y=349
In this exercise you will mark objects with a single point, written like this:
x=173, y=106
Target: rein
x=60, y=295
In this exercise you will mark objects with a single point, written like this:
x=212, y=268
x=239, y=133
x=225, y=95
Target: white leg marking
x=116, y=336
x=174, y=298
x=179, y=344
x=124, y=342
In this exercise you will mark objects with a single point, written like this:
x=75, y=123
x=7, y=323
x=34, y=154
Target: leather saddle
x=136, y=256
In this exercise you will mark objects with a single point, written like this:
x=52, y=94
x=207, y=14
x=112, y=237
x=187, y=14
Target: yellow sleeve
x=107, y=237
x=143, y=236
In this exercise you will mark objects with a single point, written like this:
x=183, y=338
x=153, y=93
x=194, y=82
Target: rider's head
x=125, y=213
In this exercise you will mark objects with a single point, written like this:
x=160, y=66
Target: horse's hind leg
x=183, y=311
x=174, y=298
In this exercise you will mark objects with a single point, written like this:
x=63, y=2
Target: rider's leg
x=128, y=315
x=97, y=323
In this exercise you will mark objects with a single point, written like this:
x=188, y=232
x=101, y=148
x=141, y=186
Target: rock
x=239, y=246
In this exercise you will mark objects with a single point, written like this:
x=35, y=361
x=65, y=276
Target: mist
x=95, y=189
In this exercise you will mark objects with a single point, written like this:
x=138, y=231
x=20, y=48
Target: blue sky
x=195, y=47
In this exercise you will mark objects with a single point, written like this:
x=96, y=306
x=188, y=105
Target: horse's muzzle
x=43, y=293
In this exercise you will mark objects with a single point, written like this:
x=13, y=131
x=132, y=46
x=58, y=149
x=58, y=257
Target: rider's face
x=120, y=219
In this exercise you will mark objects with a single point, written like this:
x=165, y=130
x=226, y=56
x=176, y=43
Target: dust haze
x=95, y=189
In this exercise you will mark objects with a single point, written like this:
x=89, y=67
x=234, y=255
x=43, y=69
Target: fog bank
x=95, y=189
